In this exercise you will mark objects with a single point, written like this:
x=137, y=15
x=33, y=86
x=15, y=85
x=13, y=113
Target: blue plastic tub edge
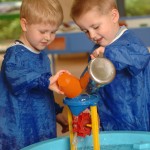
x=51, y=144
x=139, y=139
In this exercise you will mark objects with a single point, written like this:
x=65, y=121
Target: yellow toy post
x=72, y=146
x=95, y=129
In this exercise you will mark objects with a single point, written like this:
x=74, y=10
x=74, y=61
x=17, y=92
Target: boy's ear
x=23, y=24
x=115, y=15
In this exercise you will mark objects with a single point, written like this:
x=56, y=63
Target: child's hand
x=53, y=82
x=98, y=52
x=62, y=120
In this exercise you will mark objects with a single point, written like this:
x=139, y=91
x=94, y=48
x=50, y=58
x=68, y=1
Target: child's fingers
x=92, y=56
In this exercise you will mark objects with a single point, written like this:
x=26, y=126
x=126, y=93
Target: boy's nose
x=92, y=35
x=47, y=37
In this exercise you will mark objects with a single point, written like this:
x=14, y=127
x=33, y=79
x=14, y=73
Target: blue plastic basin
x=139, y=140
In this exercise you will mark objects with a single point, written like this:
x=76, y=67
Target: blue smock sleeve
x=128, y=52
x=19, y=77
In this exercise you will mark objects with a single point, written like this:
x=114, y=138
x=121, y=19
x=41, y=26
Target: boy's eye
x=54, y=32
x=96, y=27
x=42, y=32
x=85, y=31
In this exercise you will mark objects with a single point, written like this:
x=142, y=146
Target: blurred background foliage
x=9, y=20
x=9, y=0
x=137, y=7
x=10, y=27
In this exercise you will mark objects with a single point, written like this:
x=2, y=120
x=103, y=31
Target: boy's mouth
x=98, y=41
x=44, y=43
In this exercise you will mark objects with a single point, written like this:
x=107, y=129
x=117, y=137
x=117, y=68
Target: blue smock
x=124, y=104
x=27, y=107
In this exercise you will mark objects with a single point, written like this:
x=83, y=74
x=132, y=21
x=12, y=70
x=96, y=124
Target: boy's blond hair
x=42, y=11
x=80, y=7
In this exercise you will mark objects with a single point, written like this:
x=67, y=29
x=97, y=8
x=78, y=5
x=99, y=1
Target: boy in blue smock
x=124, y=104
x=27, y=107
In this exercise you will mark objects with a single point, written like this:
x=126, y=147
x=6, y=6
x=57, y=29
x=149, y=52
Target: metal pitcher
x=100, y=70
